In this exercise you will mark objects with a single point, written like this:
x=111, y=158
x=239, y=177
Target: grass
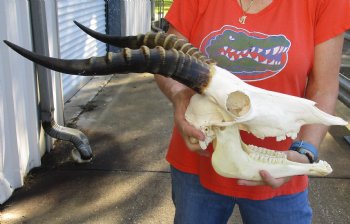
x=167, y=5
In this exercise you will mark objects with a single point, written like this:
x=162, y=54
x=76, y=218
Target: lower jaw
x=237, y=160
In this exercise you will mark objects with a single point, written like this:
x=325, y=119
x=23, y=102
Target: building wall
x=22, y=139
x=19, y=129
x=137, y=16
x=128, y=17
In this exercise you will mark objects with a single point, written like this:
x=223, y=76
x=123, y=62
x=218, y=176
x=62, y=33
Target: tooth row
x=267, y=158
x=292, y=135
x=264, y=151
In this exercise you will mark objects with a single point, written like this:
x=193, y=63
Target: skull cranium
x=239, y=106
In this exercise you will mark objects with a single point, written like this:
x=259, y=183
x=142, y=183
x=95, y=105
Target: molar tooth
x=276, y=160
x=283, y=160
x=251, y=149
x=265, y=159
x=280, y=138
x=292, y=135
x=281, y=155
x=272, y=160
x=254, y=156
x=266, y=152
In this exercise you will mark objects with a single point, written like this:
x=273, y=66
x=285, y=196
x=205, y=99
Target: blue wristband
x=301, y=146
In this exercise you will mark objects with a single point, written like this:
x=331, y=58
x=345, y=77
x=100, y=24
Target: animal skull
x=229, y=104
x=239, y=106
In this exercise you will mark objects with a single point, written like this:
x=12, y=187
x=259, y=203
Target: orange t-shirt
x=273, y=50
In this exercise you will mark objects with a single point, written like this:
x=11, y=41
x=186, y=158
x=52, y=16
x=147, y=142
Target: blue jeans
x=195, y=204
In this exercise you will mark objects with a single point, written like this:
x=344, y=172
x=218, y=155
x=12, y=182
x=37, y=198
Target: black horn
x=133, y=42
x=170, y=63
x=151, y=40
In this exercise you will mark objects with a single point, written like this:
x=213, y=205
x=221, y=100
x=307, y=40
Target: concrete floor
x=128, y=123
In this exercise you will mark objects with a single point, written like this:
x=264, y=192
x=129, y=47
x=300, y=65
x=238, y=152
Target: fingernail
x=193, y=140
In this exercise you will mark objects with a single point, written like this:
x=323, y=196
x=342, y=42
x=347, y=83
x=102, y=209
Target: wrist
x=181, y=96
x=307, y=149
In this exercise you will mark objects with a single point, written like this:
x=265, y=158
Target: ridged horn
x=170, y=63
x=151, y=40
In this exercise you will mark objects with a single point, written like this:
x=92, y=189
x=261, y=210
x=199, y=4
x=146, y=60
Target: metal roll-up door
x=74, y=43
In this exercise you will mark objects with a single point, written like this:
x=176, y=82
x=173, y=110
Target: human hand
x=190, y=134
x=268, y=180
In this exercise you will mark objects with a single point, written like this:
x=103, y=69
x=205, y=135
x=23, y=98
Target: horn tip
x=8, y=43
x=79, y=24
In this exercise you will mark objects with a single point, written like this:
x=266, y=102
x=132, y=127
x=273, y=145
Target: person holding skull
x=291, y=47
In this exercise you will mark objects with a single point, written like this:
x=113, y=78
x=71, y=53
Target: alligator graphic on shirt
x=251, y=56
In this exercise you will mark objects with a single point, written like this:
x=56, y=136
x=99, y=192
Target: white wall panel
x=74, y=43
x=19, y=147
x=137, y=17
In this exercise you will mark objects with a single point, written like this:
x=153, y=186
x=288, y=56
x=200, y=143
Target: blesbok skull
x=223, y=106
x=239, y=106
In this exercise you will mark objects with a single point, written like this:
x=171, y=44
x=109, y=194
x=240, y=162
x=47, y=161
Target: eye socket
x=238, y=103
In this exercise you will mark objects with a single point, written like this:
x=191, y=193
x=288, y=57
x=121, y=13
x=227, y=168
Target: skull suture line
x=225, y=106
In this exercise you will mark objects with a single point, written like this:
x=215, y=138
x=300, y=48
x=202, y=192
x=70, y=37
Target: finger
x=267, y=179
x=187, y=129
x=271, y=181
x=196, y=148
x=191, y=131
x=192, y=143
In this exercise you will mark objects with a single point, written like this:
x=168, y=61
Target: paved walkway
x=128, y=122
